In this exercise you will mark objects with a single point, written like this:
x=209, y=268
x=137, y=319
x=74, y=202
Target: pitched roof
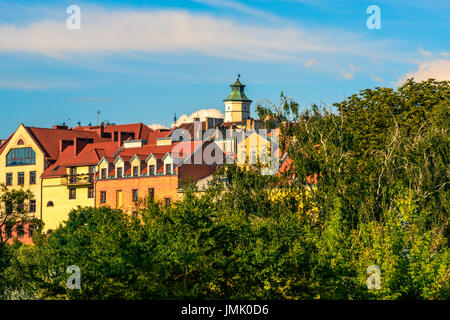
x=237, y=92
x=180, y=150
x=90, y=155
x=4, y=143
x=48, y=139
x=152, y=136
x=140, y=130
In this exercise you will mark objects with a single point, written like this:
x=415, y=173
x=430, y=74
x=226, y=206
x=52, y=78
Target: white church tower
x=237, y=105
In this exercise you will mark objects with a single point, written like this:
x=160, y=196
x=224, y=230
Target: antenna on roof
x=174, y=117
x=98, y=116
x=239, y=76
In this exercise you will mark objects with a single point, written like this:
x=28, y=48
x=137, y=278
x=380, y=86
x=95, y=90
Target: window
x=135, y=171
x=119, y=172
x=103, y=197
x=90, y=193
x=20, y=157
x=103, y=173
x=32, y=177
x=72, y=194
x=20, y=178
x=50, y=204
x=151, y=193
x=32, y=206
x=167, y=201
x=168, y=168
x=20, y=142
x=135, y=195
x=91, y=173
x=152, y=170
x=73, y=175
x=9, y=178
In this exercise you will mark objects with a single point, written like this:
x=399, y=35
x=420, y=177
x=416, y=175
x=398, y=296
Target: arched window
x=20, y=142
x=20, y=157
x=50, y=204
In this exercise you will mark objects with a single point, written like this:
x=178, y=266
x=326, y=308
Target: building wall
x=38, y=167
x=252, y=143
x=164, y=186
x=236, y=111
x=56, y=190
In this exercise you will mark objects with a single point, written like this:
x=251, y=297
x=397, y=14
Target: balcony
x=78, y=179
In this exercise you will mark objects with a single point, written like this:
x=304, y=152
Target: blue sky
x=143, y=61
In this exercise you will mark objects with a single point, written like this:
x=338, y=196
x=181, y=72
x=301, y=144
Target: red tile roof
x=90, y=155
x=48, y=139
x=140, y=130
x=4, y=143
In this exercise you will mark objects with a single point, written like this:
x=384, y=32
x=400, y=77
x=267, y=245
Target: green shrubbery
x=381, y=199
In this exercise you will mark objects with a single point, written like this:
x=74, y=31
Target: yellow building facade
x=62, y=194
x=22, y=162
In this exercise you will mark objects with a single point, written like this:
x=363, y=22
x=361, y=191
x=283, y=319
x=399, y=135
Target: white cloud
x=202, y=114
x=156, y=126
x=174, y=31
x=436, y=69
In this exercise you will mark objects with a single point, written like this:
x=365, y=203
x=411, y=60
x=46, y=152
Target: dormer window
x=119, y=172
x=135, y=171
x=169, y=168
x=151, y=170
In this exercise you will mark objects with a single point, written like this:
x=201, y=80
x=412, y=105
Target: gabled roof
x=48, y=139
x=4, y=143
x=91, y=154
x=135, y=157
x=150, y=156
x=151, y=137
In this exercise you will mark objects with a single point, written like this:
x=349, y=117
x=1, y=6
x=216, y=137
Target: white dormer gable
x=103, y=161
x=150, y=157
x=119, y=163
x=135, y=158
x=168, y=163
x=119, y=158
x=152, y=164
